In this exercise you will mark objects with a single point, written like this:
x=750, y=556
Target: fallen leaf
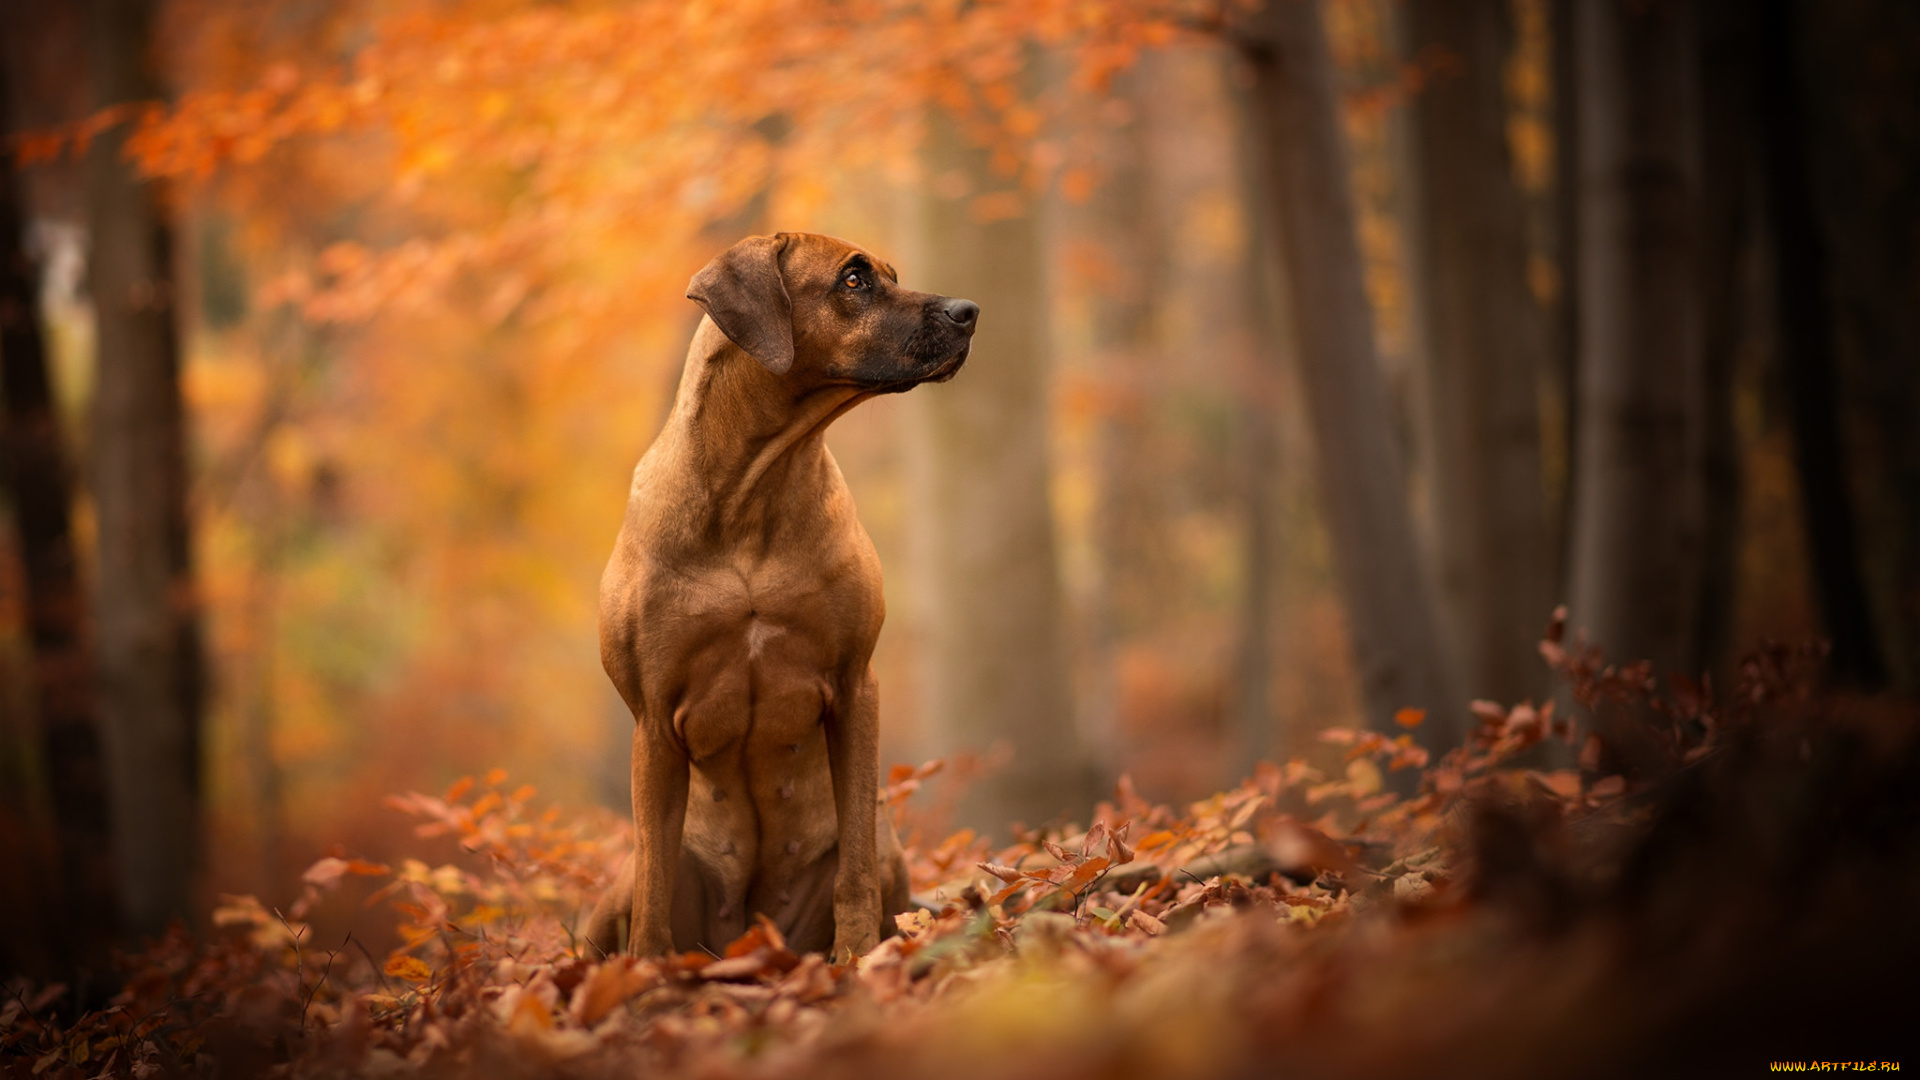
x=1146, y=924
x=1364, y=776
x=1298, y=847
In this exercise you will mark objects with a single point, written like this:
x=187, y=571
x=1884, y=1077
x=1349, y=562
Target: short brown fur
x=739, y=611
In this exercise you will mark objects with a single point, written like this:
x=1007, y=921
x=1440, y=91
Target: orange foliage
x=464, y=229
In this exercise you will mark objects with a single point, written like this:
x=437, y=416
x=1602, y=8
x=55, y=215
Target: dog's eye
x=853, y=280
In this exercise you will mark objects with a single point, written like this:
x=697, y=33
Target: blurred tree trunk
x=982, y=522
x=1727, y=47
x=1566, y=255
x=1487, y=336
x=1256, y=717
x=1267, y=321
x=1123, y=230
x=1804, y=307
x=148, y=645
x=1858, y=67
x=39, y=482
x=1638, y=512
x=1298, y=149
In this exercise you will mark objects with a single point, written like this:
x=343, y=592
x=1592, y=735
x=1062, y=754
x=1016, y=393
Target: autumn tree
x=145, y=605
x=995, y=665
x=1113, y=242
x=1804, y=288
x=1851, y=75
x=38, y=481
x=491, y=253
x=1638, y=502
x=1301, y=161
x=1487, y=339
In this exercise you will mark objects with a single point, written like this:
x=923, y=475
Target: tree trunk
x=148, y=647
x=1121, y=224
x=982, y=539
x=1257, y=722
x=1858, y=83
x=1638, y=510
x=40, y=482
x=1487, y=335
x=1262, y=721
x=1727, y=46
x=1804, y=306
x=1299, y=150
x=1566, y=254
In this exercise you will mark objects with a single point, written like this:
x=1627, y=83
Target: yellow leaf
x=411, y=968
x=1364, y=775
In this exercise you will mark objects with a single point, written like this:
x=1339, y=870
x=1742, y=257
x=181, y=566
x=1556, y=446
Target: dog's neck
x=744, y=445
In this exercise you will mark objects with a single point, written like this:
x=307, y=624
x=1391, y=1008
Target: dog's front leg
x=853, y=753
x=659, y=818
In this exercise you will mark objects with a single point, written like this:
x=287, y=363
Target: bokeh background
x=1326, y=347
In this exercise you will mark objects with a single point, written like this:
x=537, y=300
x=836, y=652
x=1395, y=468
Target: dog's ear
x=742, y=291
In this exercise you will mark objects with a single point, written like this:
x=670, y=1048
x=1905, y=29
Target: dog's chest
x=761, y=654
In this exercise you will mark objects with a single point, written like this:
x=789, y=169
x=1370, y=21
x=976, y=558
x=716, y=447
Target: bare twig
x=378, y=971
x=317, y=983
x=299, y=957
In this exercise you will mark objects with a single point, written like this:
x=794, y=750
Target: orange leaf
x=411, y=968
x=1156, y=840
x=610, y=984
x=1409, y=718
x=325, y=873
x=1146, y=924
x=1001, y=896
x=1087, y=871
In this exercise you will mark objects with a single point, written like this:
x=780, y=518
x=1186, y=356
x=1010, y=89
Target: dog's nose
x=962, y=312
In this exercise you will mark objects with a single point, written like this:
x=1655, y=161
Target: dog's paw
x=848, y=948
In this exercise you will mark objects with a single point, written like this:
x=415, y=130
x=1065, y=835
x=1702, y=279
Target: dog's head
x=826, y=311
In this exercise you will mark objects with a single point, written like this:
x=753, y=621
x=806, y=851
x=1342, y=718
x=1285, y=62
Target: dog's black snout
x=962, y=312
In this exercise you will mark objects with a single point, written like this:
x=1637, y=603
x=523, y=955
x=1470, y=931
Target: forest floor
x=1740, y=892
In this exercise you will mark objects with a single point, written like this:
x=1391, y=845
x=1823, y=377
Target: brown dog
x=740, y=609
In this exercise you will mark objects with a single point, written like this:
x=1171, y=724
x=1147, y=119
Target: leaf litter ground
x=1703, y=886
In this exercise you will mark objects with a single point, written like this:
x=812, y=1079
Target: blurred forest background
x=1325, y=348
